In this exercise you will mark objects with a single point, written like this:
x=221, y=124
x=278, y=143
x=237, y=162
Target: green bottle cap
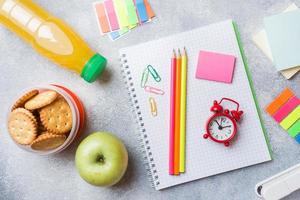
x=93, y=68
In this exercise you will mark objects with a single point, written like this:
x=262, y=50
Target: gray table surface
x=27, y=176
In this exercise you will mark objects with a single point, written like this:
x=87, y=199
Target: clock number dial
x=221, y=128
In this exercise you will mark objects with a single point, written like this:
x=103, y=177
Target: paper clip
x=153, y=107
x=144, y=77
x=154, y=73
x=154, y=90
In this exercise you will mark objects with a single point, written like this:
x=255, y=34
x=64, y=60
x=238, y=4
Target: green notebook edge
x=240, y=44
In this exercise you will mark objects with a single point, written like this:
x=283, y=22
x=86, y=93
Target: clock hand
x=217, y=122
x=226, y=126
x=221, y=121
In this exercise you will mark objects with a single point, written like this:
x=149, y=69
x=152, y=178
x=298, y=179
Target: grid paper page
x=203, y=157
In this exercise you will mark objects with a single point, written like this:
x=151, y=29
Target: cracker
x=57, y=117
x=48, y=141
x=27, y=112
x=41, y=100
x=21, y=127
x=22, y=100
x=41, y=127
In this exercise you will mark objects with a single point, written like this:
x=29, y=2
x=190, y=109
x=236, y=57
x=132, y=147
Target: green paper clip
x=144, y=77
x=154, y=73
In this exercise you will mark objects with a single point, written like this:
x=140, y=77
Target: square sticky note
x=215, y=66
x=261, y=40
x=283, y=32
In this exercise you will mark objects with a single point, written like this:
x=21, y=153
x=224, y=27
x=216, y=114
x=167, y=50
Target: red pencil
x=172, y=113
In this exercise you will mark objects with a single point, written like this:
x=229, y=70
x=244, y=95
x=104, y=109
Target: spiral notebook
x=203, y=157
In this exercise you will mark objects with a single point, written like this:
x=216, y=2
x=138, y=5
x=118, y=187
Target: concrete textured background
x=27, y=176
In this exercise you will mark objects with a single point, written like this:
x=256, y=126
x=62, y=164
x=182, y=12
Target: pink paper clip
x=154, y=90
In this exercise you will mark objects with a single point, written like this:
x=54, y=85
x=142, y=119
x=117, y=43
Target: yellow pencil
x=183, y=111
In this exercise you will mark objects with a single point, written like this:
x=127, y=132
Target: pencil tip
x=178, y=51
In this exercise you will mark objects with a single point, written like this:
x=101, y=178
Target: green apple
x=101, y=159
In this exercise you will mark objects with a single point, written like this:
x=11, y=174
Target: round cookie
x=41, y=127
x=48, y=141
x=26, y=112
x=21, y=127
x=57, y=117
x=41, y=100
x=22, y=100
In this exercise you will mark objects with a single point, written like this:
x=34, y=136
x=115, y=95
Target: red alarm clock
x=221, y=127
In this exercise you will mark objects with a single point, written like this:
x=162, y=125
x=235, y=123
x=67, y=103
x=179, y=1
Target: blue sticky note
x=117, y=34
x=297, y=138
x=283, y=32
x=114, y=35
x=141, y=10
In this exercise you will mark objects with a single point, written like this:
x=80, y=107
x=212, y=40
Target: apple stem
x=100, y=158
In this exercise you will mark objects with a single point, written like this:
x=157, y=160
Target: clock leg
x=226, y=144
x=205, y=136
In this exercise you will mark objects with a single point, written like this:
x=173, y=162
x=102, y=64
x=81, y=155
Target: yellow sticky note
x=291, y=118
x=121, y=13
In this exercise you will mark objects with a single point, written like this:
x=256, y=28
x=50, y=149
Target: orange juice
x=51, y=37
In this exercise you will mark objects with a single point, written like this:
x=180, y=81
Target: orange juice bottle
x=51, y=37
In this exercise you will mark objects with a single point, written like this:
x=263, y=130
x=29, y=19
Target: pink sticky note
x=110, y=10
x=286, y=109
x=215, y=66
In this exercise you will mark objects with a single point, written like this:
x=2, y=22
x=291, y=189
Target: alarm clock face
x=221, y=128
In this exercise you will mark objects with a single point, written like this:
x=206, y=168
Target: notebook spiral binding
x=144, y=142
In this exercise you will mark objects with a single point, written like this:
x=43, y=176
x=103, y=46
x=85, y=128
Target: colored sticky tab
x=291, y=118
x=114, y=35
x=101, y=17
x=132, y=26
x=298, y=138
x=215, y=66
x=295, y=129
x=121, y=13
x=113, y=20
x=117, y=34
x=149, y=10
x=141, y=10
x=131, y=13
x=286, y=109
x=123, y=31
x=279, y=101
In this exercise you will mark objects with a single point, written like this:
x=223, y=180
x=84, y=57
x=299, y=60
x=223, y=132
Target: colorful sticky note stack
x=118, y=17
x=282, y=31
x=261, y=40
x=285, y=109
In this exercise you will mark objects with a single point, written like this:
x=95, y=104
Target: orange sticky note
x=101, y=17
x=279, y=101
x=149, y=10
